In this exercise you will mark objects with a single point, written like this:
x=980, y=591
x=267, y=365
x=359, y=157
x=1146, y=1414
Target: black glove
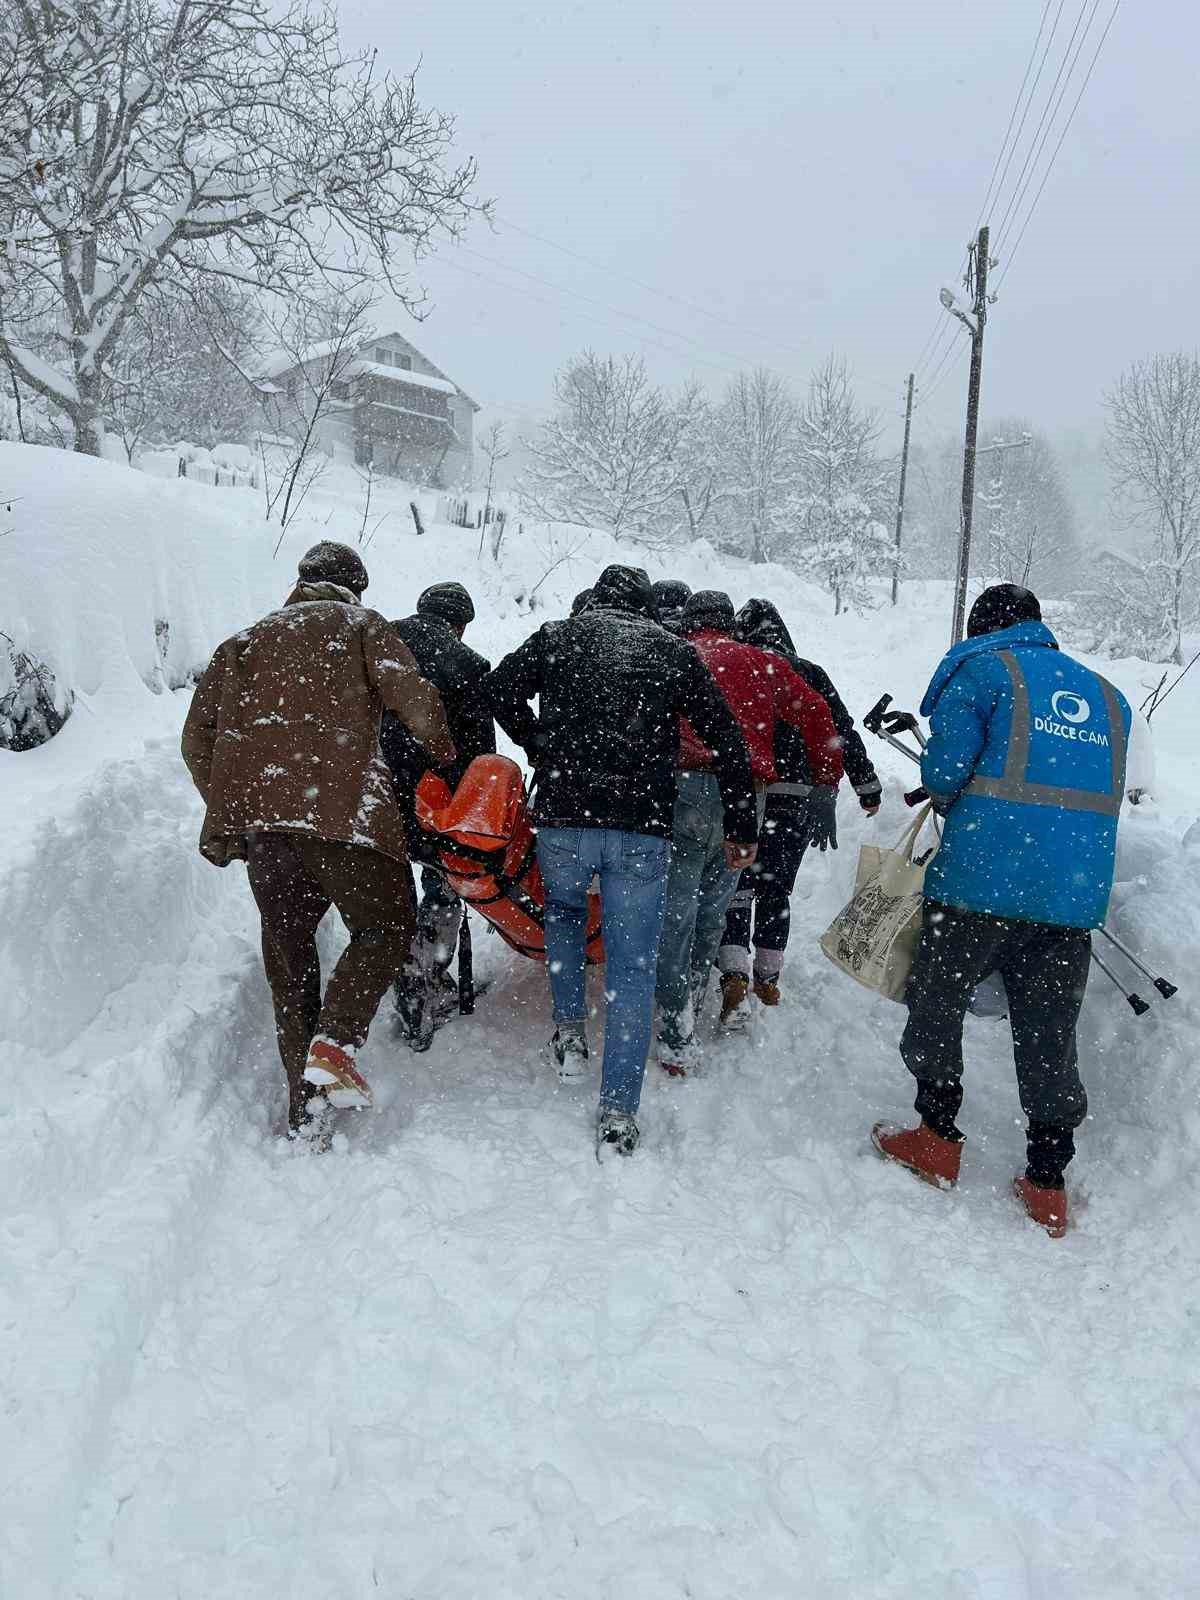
x=870, y=796
x=822, y=816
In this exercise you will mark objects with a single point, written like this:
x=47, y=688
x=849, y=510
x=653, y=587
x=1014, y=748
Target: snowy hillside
x=456, y=1359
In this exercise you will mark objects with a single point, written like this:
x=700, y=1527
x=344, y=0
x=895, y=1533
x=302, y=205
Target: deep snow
x=455, y=1358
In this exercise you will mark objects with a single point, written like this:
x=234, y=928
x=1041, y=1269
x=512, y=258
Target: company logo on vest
x=1074, y=710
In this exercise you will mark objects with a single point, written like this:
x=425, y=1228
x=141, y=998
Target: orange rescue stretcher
x=484, y=841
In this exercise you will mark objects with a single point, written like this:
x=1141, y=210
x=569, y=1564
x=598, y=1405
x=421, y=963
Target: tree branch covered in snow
x=845, y=491
x=1154, y=455
x=754, y=442
x=147, y=140
x=611, y=457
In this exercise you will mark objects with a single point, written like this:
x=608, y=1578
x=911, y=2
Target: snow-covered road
x=456, y=1358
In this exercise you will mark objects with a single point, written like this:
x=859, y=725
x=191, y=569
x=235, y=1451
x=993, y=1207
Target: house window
x=392, y=358
x=339, y=389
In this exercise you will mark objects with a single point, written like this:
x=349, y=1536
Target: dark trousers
x=1045, y=972
x=762, y=906
x=295, y=879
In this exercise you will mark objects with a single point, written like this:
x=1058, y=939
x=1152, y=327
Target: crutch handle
x=900, y=722
x=916, y=797
x=873, y=721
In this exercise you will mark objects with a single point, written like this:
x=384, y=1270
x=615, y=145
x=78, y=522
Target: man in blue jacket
x=1026, y=763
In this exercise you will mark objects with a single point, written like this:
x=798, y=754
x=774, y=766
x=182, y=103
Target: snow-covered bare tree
x=845, y=491
x=307, y=377
x=610, y=457
x=146, y=141
x=1023, y=511
x=756, y=444
x=700, y=460
x=495, y=450
x=183, y=370
x=1153, y=447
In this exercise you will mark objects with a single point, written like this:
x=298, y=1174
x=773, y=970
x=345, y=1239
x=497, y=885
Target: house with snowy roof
x=384, y=402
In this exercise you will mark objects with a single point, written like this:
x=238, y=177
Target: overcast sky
x=807, y=174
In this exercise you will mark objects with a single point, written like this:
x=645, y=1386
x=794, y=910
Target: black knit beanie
x=1002, y=606
x=708, y=608
x=450, y=602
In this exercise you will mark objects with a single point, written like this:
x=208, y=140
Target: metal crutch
x=1136, y=1004
x=1165, y=988
x=903, y=721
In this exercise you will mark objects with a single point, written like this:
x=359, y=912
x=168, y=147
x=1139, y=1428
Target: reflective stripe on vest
x=1015, y=786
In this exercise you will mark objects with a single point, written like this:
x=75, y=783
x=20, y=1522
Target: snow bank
x=456, y=1358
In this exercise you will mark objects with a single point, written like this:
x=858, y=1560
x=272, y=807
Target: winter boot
x=616, y=1130
x=678, y=1053
x=933, y=1159
x=331, y=1067
x=416, y=1014
x=570, y=1049
x=1046, y=1207
x=766, y=991
x=313, y=1129
x=735, y=1003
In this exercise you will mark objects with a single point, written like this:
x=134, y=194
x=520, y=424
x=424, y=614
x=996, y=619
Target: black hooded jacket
x=611, y=687
x=457, y=673
x=759, y=623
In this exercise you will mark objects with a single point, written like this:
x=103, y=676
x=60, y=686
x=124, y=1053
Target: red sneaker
x=331, y=1067
x=1046, y=1207
x=933, y=1159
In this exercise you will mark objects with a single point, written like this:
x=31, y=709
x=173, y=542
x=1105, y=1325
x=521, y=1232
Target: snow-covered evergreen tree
x=845, y=491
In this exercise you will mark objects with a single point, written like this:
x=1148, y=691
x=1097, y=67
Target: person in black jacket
x=798, y=814
x=612, y=686
x=435, y=637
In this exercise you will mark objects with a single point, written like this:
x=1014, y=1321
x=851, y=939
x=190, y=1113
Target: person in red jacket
x=762, y=691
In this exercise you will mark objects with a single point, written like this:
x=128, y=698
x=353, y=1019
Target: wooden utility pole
x=980, y=255
x=903, y=481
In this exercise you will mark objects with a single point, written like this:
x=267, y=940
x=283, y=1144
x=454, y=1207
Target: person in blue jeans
x=632, y=869
x=611, y=686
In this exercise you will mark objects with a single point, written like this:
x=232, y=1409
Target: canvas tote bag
x=875, y=938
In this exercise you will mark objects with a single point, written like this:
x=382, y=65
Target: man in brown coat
x=282, y=741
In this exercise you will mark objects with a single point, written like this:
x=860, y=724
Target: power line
x=584, y=316
x=560, y=288
x=938, y=376
x=1062, y=136
x=932, y=355
x=666, y=294
x=945, y=338
x=1054, y=100
x=629, y=316
x=1013, y=114
x=1030, y=99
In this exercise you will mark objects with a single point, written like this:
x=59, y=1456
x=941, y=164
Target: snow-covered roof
x=423, y=351
x=281, y=361
x=419, y=380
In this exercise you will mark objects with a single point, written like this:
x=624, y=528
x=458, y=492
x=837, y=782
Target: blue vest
x=1027, y=748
